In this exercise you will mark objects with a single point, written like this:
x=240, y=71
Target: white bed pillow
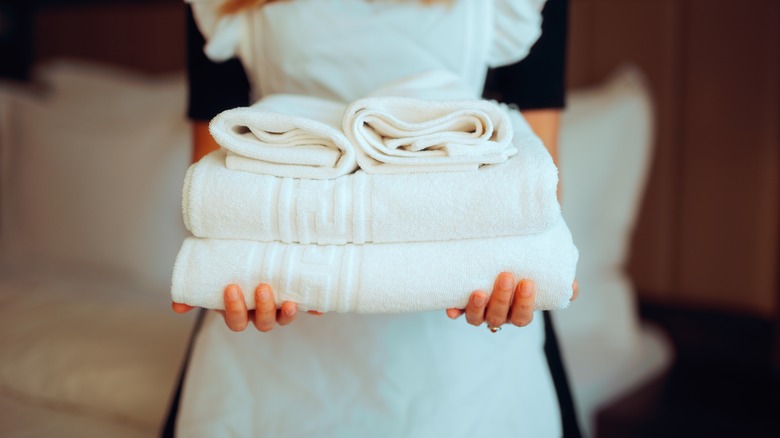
x=92, y=168
x=605, y=149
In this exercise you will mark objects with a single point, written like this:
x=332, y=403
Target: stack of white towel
x=389, y=204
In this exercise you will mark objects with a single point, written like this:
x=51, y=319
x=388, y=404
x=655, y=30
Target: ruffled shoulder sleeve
x=222, y=33
x=517, y=24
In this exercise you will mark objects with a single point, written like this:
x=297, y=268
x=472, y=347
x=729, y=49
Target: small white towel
x=517, y=197
x=287, y=136
x=375, y=278
x=405, y=135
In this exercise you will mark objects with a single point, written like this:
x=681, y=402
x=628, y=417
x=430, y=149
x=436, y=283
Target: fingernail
x=480, y=300
x=505, y=282
x=263, y=294
x=526, y=290
x=289, y=311
x=232, y=293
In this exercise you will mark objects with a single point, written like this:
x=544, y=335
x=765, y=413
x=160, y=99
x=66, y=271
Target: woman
x=320, y=384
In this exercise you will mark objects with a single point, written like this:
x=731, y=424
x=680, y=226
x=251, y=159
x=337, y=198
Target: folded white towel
x=375, y=278
x=287, y=136
x=404, y=135
x=513, y=198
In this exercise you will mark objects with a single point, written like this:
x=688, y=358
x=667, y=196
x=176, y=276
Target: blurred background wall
x=708, y=230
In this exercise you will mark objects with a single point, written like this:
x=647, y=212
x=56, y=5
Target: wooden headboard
x=708, y=230
x=144, y=35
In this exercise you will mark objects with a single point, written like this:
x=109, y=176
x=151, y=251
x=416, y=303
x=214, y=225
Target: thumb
x=180, y=307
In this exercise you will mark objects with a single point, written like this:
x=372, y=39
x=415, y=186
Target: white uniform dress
x=348, y=375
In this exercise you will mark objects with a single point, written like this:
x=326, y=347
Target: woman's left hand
x=508, y=303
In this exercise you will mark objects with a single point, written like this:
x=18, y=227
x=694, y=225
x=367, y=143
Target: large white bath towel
x=516, y=197
x=404, y=135
x=375, y=278
x=286, y=136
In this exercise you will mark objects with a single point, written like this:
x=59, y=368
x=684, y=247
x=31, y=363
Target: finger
x=498, y=307
x=287, y=313
x=523, y=304
x=265, y=309
x=314, y=312
x=475, y=309
x=236, y=316
x=181, y=307
x=575, y=290
x=454, y=313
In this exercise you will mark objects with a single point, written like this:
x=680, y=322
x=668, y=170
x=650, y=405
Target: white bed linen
x=21, y=418
x=75, y=339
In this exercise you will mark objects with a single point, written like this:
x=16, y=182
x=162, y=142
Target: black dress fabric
x=213, y=87
x=537, y=82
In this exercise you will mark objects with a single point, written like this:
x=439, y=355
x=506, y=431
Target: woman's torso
x=369, y=375
x=345, y=49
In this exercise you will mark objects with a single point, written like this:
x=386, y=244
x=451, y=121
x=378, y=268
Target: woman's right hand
x=265, y=315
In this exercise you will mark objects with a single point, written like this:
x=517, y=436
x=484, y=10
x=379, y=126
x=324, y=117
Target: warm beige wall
x=707, y=235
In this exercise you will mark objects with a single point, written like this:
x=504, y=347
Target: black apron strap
x=169, y=428
x=571, y=428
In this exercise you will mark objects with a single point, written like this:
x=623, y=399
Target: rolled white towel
x=513, y=198
x=375, y=278
x=286, y=136
x=405, y=135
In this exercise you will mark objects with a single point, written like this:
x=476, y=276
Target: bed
x=92, y=158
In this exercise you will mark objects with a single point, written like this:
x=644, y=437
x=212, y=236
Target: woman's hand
x=508, y=303
x=265, y=315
